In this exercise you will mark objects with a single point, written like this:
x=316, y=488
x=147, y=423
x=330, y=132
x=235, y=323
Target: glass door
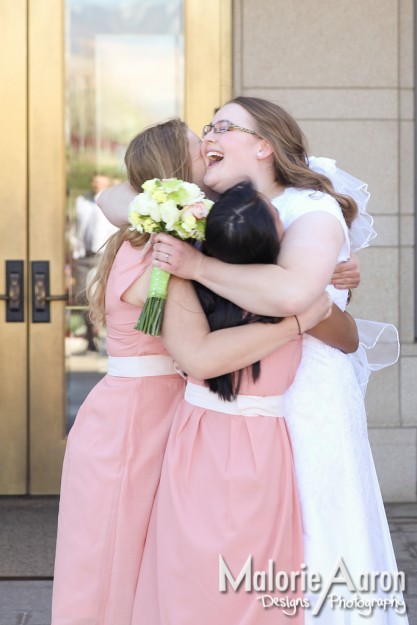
x=86, y=76
x=124, y=71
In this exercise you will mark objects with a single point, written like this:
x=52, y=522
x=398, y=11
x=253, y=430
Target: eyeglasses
x=223, y=126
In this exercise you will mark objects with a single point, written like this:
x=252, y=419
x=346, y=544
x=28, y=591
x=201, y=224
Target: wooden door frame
x=13, y=237
x=208, y=59
x=33, y=199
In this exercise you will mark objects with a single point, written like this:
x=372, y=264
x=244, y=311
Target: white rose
x=194, y=193
x=155, y=212
x=143, y=204
x=169, y=214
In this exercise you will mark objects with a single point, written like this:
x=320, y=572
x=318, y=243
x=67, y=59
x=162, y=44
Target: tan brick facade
x=345, y=70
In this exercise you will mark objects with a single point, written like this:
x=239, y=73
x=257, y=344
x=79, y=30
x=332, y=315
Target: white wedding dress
x=342, y=509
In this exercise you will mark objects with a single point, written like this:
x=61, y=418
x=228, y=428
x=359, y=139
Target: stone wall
x=345, y=71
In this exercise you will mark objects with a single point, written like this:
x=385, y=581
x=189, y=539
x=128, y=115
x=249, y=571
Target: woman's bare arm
x=204, y=354
x=114, y=202
x=307, y=259
x=338, y=330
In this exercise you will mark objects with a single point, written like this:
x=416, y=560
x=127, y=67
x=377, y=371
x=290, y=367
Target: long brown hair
x=289, y=144
x=159, y=151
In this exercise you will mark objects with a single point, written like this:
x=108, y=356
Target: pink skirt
x=110, y=476
x=227, y=493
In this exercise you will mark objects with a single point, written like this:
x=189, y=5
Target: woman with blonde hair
x=115, y=449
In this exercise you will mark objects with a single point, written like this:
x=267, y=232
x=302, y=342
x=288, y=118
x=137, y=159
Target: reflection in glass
x=124, y=71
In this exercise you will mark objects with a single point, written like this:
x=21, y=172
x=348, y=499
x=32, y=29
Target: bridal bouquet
x=178, y=208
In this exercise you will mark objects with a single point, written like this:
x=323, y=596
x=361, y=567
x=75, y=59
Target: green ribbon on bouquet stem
x=151, y=317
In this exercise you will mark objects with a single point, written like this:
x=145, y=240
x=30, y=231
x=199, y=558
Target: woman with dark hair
x=231, y=237
x=342, y=509
x=227, y=489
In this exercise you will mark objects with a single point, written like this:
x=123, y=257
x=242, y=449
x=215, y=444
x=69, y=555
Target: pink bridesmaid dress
x=227, y=489
x=112, y=466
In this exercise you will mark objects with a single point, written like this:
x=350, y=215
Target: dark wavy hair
x=241, y=230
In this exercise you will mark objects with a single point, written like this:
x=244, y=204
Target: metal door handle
x=41, y=297
x=14, y=290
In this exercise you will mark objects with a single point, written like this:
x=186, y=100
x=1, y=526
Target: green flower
x=134, y=218
x=150, y=226
x=150, y=185
x=171, y=184
x=188, y=221
x=159, y=196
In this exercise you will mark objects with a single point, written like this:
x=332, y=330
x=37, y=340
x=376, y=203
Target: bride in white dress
x=342, y=508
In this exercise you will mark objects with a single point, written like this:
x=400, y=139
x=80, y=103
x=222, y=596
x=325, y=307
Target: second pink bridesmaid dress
x=227, y=489
x=112, y=466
